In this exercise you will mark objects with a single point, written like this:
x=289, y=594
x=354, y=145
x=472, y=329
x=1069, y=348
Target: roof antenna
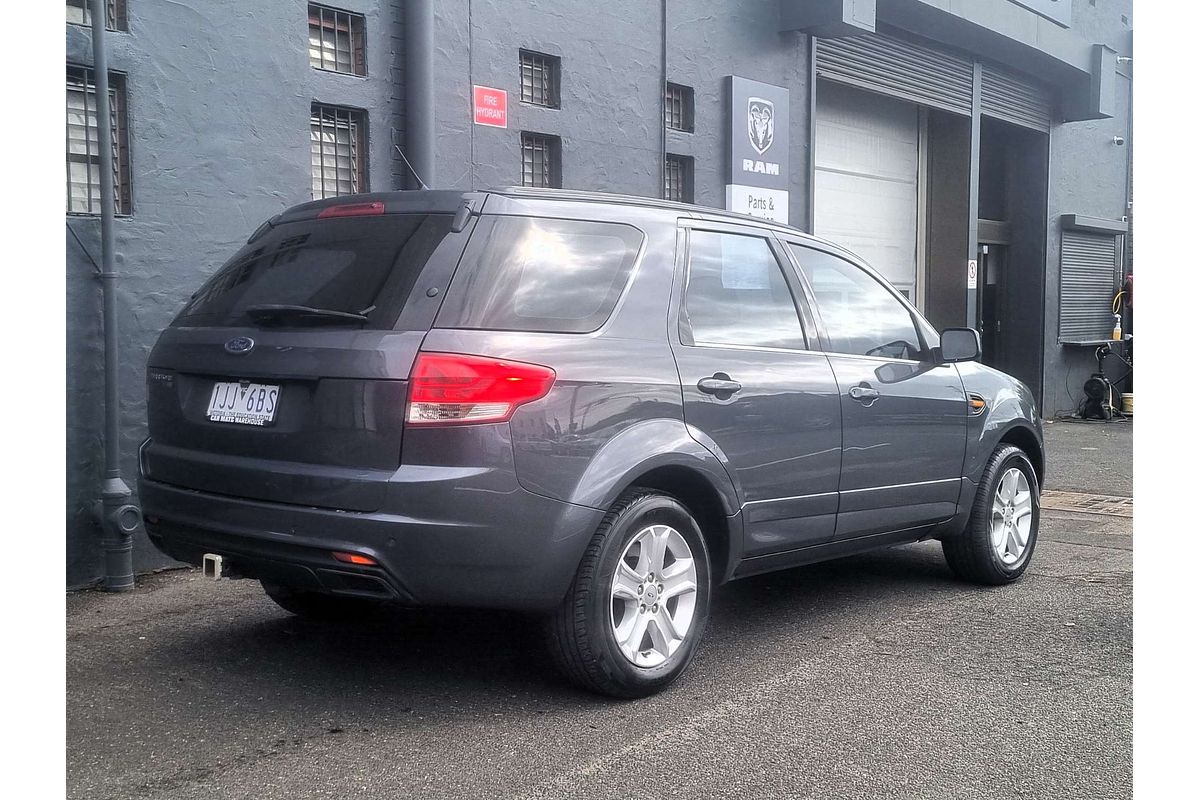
x=406, y=161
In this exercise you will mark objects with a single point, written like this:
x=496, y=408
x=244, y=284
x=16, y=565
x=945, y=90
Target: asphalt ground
x=873, y=676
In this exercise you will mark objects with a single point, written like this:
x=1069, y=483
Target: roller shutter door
x=899, y=68
x=1088, y=275
x=865, y=179
x=1012, y=98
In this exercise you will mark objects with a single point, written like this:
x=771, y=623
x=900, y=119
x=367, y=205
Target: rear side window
x=736, y=294
x=533, y=274
x=355, y=265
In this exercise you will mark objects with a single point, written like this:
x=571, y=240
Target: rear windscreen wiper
x=269, y=312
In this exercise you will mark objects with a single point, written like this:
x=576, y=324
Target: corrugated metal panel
x=898, y=68
x=1012, y=98
x=1089, y=264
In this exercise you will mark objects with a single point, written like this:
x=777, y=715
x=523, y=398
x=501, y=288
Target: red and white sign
x=972, y=274
x=491, y=107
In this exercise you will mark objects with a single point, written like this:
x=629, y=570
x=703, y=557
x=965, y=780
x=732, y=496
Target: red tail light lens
x=455, y=389
x=351, y=210
x=355, y=558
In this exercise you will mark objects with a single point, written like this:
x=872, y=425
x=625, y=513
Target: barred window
x=335, y=40
x=677, y=179
x=541, y=157
x=680, y=108
x=339, y=145
x=79, y=12
x=83, y=143
x=539, y=79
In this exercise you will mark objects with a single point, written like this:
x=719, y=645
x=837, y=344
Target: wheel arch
x=1023, y=437
x=703, y=501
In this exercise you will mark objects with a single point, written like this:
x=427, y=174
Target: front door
x=904, y=420
x=754, y=391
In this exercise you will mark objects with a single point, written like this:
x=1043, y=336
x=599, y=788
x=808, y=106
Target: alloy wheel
x=653, y=595
x=1012, y=516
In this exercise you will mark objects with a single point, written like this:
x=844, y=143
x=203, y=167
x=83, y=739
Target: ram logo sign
x=757, y=176
x=760, y=117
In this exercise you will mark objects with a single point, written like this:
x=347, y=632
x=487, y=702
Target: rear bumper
x=510, y=549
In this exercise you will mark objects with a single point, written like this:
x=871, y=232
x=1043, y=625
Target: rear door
x=285, y=377
x=903, y=418
x=752, y=387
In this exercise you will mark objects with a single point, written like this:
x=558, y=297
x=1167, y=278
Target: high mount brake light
x=456, y=389
x=351, y=210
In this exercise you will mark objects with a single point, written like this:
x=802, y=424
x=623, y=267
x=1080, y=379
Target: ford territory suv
x=593, y=407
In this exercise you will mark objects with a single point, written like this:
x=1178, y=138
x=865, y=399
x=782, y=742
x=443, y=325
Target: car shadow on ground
x=412, y=659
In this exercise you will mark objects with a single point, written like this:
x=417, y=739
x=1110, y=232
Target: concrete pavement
x=874, y=676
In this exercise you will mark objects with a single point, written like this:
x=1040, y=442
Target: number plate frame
x=243, y=403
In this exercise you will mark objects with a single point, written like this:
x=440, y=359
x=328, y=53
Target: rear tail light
x=455, y=389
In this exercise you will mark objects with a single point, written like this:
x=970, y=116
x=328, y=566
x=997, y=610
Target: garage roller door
x=865, y=177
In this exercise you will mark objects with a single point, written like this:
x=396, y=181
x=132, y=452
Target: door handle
x=864, y=394
x=718, y=384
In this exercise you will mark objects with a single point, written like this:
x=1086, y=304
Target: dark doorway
x=1013, y=166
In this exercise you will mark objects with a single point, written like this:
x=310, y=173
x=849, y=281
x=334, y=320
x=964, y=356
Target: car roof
x=448, y=200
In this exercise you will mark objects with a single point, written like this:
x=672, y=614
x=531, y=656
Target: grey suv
x=589, y=406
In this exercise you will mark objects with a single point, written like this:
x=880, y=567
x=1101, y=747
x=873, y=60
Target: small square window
x=679, y=108
x=339, y=146
x=79, y=12
x=83, y=143
x=540, y=79
x=336, y=40
x=541, y=160
x=677, y=178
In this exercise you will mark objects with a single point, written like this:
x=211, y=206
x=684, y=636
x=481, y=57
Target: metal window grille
x=540, y=158
x=679, y=107
x=83, y=143
x=336, y=40
x=539, y=79
x=338, y=151
x=79, y=12
x=677, y=179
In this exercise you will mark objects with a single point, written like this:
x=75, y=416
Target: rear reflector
x=352, y=210
x=455, y=389
x=355, y=558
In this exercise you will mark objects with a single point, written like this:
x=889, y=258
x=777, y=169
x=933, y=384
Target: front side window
x=83, y=143
x=335, y=40
x=339, y=161
x=736, y=294
x=861, y=316
x=531, y=274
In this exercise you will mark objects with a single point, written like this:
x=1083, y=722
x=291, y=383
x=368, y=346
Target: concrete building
x=976, y=152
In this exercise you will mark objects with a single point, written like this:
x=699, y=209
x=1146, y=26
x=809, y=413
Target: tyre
x=634, y=615
x=1002, y=531
x=318, y=606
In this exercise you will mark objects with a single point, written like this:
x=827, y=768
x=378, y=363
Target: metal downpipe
x=118, y=517
x=419, y=136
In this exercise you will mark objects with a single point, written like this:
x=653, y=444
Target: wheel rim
x=653, y=595
x=1012, y=516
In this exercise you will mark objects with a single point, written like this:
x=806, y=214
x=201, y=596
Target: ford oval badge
x=239, y=345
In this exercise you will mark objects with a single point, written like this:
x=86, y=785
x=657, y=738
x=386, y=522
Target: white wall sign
x=769, y=204
x=972, y=274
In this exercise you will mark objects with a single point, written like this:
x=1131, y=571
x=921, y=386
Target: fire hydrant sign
x=491, y=107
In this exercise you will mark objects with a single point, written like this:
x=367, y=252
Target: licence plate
x=243, y=403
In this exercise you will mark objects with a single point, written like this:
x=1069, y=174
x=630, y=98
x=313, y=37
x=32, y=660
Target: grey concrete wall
x=1087, y=175
x=611, y=92
x=219, y=99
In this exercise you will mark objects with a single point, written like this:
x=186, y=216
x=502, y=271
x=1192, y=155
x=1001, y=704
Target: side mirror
x=960, y=344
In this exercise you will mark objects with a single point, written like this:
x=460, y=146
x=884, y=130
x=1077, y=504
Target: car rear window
x=354, y=265
x=534, y=274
